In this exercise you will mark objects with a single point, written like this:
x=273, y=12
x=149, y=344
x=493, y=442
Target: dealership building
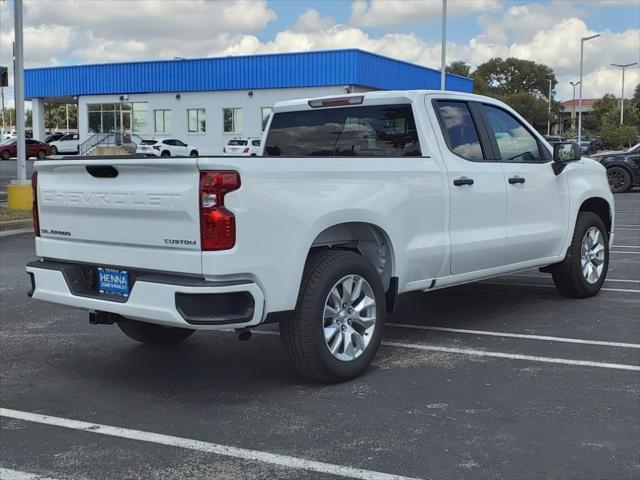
x=205, y=102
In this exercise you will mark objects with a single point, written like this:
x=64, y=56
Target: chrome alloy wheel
x=592, y=255
x=349, y=317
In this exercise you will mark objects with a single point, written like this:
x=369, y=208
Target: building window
x=196, y=118
x=162, y=120
x=140, y=120
x=266, y=113
x=232, y=120
x=117, y=117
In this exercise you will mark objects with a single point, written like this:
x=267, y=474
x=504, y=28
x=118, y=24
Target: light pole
x=549, y=112
x=573, y=117
x=18, y=80
x=443, y=62
x=623, y=67
x=582, y=40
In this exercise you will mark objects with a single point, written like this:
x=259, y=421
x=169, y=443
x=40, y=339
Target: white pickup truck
x=356, y=199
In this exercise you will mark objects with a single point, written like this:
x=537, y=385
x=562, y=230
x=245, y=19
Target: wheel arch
x=600, y=207
x=369, y=240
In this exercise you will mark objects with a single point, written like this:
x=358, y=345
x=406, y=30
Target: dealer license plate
x=113, y=282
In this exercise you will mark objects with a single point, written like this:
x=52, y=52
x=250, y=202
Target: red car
x=37, y=149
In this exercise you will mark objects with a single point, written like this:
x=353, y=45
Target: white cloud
x=392, y=13
x=311, y=21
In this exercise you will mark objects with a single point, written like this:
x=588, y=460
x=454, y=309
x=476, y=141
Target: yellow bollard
x=19, y=196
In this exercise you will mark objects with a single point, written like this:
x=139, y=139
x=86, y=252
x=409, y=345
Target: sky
x=69, y=32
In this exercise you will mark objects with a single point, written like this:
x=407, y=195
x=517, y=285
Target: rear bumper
x=169, y=300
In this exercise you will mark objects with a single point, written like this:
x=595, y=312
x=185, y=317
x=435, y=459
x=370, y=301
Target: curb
x=16, y=224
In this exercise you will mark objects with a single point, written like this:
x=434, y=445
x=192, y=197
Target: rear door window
x=237, y=143
x=369, y=131
x=459, y=129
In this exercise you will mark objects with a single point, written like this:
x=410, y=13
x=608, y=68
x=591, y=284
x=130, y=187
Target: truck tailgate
x=140, y=213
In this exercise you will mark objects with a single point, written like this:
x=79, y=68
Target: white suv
x=242, y=147
x=66, y=144
x=166, y=147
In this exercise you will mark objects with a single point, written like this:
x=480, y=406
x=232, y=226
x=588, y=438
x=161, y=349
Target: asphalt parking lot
x=501, y=379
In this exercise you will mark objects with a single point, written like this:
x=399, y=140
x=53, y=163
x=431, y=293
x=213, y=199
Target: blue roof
x=283, y=70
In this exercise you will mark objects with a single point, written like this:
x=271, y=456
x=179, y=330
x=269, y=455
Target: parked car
x=166, y=147
x=54, y=137
x=68, y=143
x=10, y=134
x=623, y=168
x=399, y=191
x=34, y=148
x=242, y=147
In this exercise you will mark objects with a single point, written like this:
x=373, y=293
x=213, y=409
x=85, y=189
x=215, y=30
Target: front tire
x=619, y=179
x=6, y=156
x=583, y=271
x=339, y=319
x=152, y=334
x=54, y=150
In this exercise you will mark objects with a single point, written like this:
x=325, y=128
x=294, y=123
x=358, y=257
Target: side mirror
x=566, y=152
x=563, y=153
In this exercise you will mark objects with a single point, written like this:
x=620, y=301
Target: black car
x=623, y=168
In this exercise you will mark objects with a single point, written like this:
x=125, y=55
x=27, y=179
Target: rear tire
x=152, y=334
x=619, y=179
x=54, y=150
x=194, y=153
x=42, y=154
x=350, y=334
x=583, y=271
x=165, y=153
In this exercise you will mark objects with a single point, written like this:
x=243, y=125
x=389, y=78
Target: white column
x=37, y=115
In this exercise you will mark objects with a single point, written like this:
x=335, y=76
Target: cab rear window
x=368, y=131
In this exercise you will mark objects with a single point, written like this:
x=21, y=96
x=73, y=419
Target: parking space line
x=484, y=353
x=628, y=228
x=624, y=251
x=201, y=446
x=514, y=356
x=524, y=275
x=624, y=290
x=8, y=474
x=515, y=335
x=626, y=246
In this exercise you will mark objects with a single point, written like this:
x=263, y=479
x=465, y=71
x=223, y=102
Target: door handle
x=516, y=179
x=458, y=182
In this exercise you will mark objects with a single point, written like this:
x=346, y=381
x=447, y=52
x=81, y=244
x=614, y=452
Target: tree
x=459, y=68
x=55, y=116
x=510, y=76
x=618, y=136
x=636, y=96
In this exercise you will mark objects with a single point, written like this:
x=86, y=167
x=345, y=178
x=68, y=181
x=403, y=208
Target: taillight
x=217, y=224
x=246, y=150
x=34, y=208
x=156, y=147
